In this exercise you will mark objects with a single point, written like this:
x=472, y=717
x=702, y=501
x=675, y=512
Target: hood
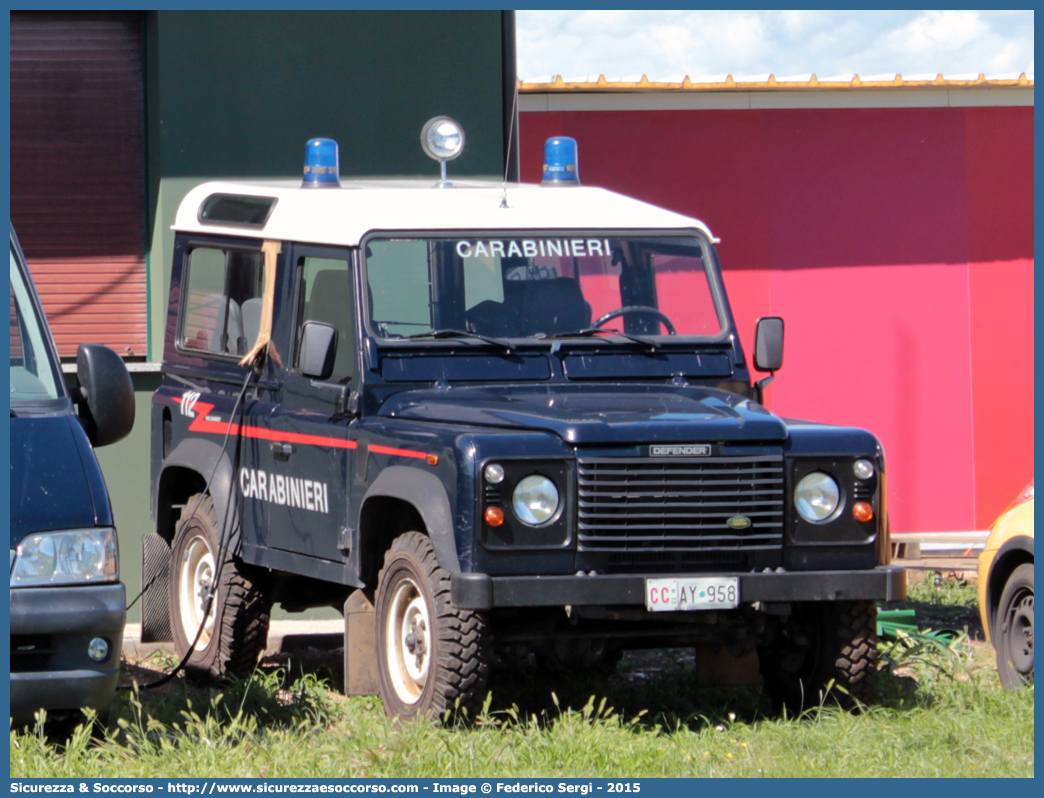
x=595, y=414
x=49, y=485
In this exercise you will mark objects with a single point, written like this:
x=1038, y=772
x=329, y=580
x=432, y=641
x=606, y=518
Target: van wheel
x=235, y=631
x=1014, y=625
x=432, y=658
x=822, y=642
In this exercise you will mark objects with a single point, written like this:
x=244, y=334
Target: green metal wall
x=126, y=469
x=238, y=93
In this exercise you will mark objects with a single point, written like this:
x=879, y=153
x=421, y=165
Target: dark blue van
x=67, y=601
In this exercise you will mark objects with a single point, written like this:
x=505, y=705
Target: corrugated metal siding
x=78, y=172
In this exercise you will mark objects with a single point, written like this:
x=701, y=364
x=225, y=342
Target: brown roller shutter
x=78, y=172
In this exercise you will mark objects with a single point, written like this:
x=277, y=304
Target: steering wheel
x=637, y=309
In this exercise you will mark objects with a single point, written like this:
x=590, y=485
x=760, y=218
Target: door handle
x=282, y=450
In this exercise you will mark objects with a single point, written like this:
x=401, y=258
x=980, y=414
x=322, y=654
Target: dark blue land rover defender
x=490, y=421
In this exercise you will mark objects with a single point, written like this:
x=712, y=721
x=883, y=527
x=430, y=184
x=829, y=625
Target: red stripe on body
x=200, y=424
x=397, y=452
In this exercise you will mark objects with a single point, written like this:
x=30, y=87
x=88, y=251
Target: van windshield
x=33, y=372
x=536, y=287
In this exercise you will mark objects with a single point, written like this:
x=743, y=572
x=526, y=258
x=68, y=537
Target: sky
x=668, y=45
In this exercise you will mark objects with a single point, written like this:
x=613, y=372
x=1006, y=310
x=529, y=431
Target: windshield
x=538, y=287
x=33, y=374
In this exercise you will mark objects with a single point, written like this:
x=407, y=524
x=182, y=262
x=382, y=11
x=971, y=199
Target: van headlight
x=69, y=557
x=817, y=497
x=535, y=500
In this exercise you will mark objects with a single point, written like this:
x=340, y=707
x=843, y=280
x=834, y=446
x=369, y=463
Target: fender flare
x=205, y=458
x=427, y=494
x=1023, y=544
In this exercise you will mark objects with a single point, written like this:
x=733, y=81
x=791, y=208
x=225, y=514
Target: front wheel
x=822, y=645
x=432, y=658
x=1014, y=637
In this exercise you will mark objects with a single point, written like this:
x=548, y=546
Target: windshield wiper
x=591, y=332
x=462, y=334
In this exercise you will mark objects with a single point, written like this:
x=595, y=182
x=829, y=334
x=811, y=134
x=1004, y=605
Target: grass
x=940, y=712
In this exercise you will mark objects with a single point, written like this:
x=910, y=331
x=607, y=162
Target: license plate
x=695, y=593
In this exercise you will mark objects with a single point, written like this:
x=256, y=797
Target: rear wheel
x=1014, y=635
x=820, y=643
x=235, y=631
x=431, y=656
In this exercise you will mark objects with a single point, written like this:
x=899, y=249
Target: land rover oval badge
x=738, y=522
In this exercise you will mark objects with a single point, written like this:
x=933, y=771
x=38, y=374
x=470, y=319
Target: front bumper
x=51, y=628
x=484, y=592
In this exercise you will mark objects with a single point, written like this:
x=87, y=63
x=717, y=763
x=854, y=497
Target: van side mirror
x=768, y=344
x=106, y=400
x=315, y=359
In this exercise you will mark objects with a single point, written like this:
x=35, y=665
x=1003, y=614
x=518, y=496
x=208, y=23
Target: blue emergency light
x=560, y=159
x=321, y=167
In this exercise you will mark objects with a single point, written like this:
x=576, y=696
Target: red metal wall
x=898, y=245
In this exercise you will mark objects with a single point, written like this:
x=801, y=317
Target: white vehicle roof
x=344, y=216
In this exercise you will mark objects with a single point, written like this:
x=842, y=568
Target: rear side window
x=221, y=311
x=236, y=210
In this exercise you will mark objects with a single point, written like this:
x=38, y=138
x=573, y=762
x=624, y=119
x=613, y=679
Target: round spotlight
x=863, y=469
x=442, y=139
x=817, y=497
x=494, y=473
x=98, y=649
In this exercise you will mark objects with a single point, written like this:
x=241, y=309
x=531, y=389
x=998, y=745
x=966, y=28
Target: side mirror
x=768, y=344
x=106, y=401
x=315, y=359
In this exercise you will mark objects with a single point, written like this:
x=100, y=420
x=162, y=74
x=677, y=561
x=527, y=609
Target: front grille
x=680, y=504
x=672, y=562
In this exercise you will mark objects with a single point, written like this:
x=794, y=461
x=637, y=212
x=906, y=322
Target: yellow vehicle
x=1006, y=591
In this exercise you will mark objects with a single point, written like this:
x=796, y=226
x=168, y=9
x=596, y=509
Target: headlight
x=535, y=500
x=817, y=496
x=59, y=558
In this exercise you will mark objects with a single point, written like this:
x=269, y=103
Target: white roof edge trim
x=343, y=217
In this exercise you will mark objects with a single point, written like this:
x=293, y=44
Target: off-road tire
x=822, y=642
x=240, y=610
x=1013, y=638
x=459, y=652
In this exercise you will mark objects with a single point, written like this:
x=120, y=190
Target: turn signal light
x=494, y=516
x=863, y=511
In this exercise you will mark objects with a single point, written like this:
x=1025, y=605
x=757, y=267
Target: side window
x=325, y=295
x=222, y=308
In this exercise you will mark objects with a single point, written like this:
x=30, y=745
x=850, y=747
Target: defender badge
x=738, y=522
x=686, y=450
